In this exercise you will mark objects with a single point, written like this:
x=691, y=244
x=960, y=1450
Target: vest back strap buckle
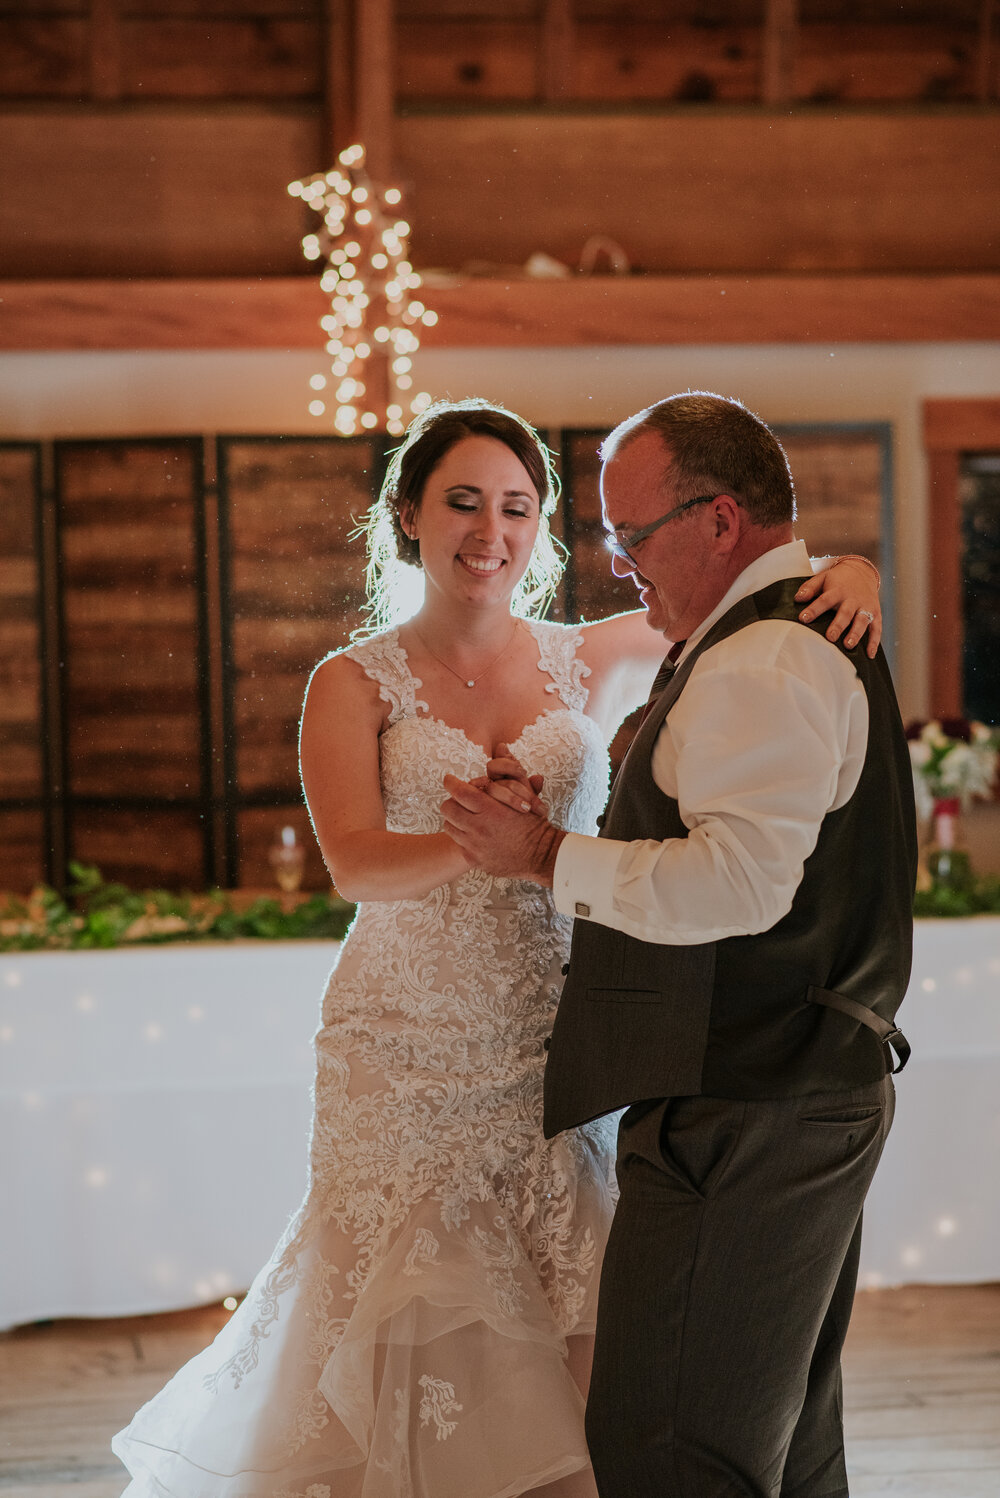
x=896, y=1044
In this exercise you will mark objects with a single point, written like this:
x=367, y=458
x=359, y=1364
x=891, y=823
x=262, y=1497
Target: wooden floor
x=922, y=1394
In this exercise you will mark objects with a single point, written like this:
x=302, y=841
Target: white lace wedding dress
x=408, y=1338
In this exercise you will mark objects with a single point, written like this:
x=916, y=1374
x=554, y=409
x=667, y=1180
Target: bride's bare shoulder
x=340, y=681
x=607, y=644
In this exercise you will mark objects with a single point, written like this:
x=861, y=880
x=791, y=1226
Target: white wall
x=81, y=394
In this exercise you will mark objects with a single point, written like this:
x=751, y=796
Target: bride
x=424, y=1327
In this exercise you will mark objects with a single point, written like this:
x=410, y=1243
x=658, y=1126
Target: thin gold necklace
x=465, y=680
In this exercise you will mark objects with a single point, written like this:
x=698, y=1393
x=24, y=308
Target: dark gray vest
x=749, y=1016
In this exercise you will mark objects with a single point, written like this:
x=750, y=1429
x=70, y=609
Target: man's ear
x=727, y=519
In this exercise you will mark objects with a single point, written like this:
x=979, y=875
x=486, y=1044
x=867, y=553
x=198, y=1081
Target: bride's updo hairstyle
x=391, y=552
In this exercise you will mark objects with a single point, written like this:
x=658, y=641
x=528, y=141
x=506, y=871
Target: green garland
x=982, y=897
x=96, y=915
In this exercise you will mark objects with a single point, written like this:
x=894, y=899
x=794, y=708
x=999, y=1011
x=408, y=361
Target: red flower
x=957, y=728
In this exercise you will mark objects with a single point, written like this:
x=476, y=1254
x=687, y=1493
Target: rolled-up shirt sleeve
x=768, y=736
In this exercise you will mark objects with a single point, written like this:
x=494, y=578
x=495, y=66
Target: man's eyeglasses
x=621, y=549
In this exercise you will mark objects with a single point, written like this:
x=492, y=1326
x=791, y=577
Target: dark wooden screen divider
x=24, y=805
x=590, y=588
x=292, y=591
x=133, y=650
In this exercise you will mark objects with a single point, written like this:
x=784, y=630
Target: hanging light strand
x=375, y=316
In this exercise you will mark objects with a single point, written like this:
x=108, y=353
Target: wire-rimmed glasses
x=620, y=549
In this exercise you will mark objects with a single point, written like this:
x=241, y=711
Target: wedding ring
x=866, y=615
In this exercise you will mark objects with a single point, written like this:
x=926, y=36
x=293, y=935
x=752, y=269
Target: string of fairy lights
x=372, y=327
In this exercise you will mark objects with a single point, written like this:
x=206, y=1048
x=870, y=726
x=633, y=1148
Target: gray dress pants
x=726, y=1295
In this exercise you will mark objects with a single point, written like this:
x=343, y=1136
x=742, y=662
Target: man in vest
x=741, y=944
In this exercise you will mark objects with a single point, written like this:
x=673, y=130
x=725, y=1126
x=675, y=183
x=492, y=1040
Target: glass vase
x=947, y=859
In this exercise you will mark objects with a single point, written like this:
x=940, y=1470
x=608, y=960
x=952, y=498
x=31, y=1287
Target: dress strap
x=384, y=661
x=557, y=656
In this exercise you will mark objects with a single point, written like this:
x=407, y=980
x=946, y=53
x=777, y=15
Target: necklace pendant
x=470, y=683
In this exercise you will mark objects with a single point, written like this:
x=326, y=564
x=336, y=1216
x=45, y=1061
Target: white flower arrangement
x=952, y=760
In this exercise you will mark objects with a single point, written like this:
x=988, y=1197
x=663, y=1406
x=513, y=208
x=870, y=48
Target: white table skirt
x=155, y=1108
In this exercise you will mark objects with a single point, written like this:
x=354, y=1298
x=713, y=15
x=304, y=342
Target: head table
x=155, y=1111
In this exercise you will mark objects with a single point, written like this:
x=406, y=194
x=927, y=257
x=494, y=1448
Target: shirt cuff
x=583, y=882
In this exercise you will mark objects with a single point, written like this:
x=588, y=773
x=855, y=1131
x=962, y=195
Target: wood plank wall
x=165, y=131
x=499, y=51
x=185, y=647
x=132, y=652
x=789, y=192
x=293, y=592
x=154, y=192
x=23, y=832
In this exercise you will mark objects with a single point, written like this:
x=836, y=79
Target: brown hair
x=430, y=437
x=715, y=444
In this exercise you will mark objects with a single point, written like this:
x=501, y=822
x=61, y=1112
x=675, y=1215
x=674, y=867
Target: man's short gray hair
x=714, y=444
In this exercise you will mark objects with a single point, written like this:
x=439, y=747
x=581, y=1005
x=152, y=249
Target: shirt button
x=546, y=1042
x=565, y=968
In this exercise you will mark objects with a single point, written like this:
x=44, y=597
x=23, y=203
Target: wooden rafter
x=359, y=87
x=105, y=51
x=985, y=52
x=556, y=55
x=338, y=82
x=374, y=85
x=781, y=20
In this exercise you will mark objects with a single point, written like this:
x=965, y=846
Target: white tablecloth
x=154, y=1117
x=154, y=1108
x=933, y=1213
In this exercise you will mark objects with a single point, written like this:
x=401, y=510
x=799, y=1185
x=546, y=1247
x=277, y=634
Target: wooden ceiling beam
x=283, y=312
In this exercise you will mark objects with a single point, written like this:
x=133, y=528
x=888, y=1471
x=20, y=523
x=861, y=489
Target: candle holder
x=287, y=859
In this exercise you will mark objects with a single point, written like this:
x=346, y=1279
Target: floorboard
x=922, y=1394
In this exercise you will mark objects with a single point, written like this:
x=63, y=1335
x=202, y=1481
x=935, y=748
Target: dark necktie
x=662, y=676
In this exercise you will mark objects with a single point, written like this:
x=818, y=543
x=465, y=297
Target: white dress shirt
x=768, y=735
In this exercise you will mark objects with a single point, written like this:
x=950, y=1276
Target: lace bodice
x=417, y=750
